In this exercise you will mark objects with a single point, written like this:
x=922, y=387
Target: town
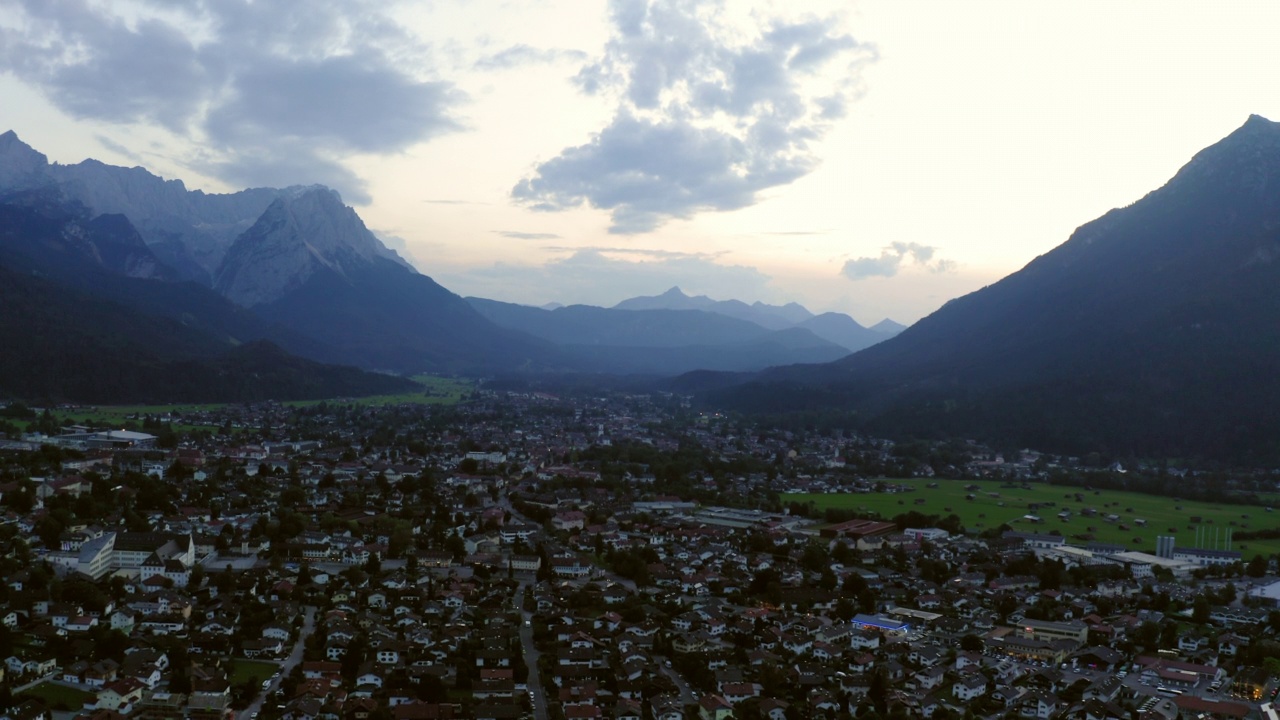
x=527, y=555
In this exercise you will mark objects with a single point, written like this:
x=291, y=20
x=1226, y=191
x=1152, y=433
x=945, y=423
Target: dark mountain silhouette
x=664, y=342
x=44, y=234
x=843, y=330
x=64, y=345
x=88, y=315
x=1153, y=330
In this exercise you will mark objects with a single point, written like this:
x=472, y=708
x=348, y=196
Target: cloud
x=705, y=121
x=597, y=276
x=117, y=148
x=521, y=55
x=893, y=258
x=277, y=91
x=398, y=245
x=654, y=253
x=516, y=235
x=249, y=166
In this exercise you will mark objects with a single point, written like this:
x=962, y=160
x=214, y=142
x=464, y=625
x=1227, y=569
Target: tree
x=197, y=577
x=878, y=692
x=1200, y=610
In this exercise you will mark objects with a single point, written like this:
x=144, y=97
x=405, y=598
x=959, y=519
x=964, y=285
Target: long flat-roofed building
x=858, y=529
x=1045, y=630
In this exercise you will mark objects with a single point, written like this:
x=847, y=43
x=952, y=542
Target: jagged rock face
x=43, y=225
x=190, y=230
x=308, y=232
x=121, y=249
x=21, y=167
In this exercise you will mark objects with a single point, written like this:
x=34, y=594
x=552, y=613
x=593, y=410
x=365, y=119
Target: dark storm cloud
x=347, y=103
x=278, y=90
x=703, y=124
x=93, y=65
x=893, y=258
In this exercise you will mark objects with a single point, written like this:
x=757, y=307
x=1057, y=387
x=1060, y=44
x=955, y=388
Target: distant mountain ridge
x=837, y=328
x=662, y=342
x=1151, y=331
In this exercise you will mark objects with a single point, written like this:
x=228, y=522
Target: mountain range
x=297, y=268
x=833, y=327
x=672, y=333
x=1151, y=331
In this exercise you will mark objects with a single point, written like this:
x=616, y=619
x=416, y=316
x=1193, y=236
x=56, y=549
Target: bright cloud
x=893, y=258
x=706, y=119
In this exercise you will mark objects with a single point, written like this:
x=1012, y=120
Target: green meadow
x=996, y=503
x=252, y=671
x=433, y=391
x=59, y=697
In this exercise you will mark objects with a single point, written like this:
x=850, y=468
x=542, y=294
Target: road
x=287, y=666
x=531, y=655
x=687, y=696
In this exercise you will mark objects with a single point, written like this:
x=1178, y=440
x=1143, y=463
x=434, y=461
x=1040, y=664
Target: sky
x=872, y=157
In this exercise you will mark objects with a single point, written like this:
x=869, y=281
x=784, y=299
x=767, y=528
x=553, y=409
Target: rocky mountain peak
x=304, y=231
x=1246, y=161
x=21, y=166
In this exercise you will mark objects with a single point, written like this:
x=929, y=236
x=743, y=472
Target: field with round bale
x=1108, y=516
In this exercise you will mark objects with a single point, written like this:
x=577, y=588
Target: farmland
x=994, y=503
x=434, y=391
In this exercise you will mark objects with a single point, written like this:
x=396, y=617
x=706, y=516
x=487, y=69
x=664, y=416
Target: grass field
x=253, y=670
x=434, y=391
x=58, y=697
x=996, y=503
